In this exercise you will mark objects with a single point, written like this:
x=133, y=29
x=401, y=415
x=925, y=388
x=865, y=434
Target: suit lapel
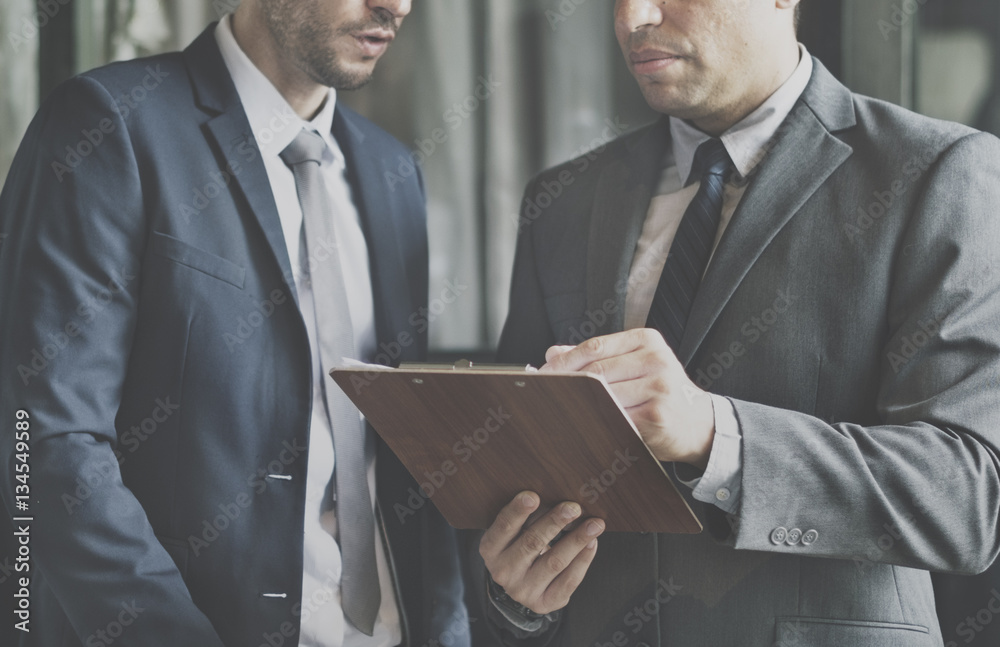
x=231, y=132
x=805, y=154
x=229, y=128
x=366, y=172
x=621, y=200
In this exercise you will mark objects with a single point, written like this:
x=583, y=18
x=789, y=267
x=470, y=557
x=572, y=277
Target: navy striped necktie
x=692, y=246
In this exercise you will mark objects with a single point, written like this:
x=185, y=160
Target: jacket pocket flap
x=197, y=259
x=822, y=632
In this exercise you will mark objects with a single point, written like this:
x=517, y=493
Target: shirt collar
x=747, y=141
x=272, y=119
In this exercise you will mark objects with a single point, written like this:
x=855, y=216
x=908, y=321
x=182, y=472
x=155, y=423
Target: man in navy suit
x=164, y=339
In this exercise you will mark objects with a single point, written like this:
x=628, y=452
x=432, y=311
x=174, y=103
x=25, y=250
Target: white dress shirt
x=274, y=126
x=747, y=143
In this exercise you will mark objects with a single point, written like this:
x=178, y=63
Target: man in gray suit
x=793, y=292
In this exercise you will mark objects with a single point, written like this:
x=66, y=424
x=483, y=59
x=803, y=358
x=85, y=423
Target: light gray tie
x=360, y=589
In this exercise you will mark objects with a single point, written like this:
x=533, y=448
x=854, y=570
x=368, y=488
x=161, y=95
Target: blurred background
x=517, y=86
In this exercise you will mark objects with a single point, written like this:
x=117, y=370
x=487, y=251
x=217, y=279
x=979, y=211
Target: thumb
x=556, y=351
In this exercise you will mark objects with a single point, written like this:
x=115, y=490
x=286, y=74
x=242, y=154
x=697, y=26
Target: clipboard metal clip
x=467, y=365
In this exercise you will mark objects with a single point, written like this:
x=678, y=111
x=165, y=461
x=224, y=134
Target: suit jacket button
x=779, y=535
x=810, y=537
x=794, y=536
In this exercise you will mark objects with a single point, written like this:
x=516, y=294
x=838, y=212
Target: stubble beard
x=318, y=59
x=309, y=42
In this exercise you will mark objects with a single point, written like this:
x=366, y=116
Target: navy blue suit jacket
x=150, y=328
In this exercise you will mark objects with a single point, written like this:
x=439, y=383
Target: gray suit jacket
x=852, y=314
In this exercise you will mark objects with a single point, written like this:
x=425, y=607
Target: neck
x=719, y=122
x=302, y=93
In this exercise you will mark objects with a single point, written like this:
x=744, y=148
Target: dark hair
x=798, y=15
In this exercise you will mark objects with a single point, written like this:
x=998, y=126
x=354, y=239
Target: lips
x=374, y=42
x=647, y=61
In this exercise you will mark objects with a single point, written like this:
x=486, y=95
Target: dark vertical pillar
x=989, y=117
x=57, y=44
x=821, y=31
x=480, y=18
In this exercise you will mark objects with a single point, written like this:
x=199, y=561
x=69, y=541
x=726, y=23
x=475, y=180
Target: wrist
x=498, y=596
x=514, y=616
x=703, y=433
x=701, y=458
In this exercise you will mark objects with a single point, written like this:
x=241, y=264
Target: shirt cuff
x=721, y=483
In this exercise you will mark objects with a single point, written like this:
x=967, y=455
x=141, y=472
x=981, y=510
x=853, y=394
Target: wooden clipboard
x=474, y=438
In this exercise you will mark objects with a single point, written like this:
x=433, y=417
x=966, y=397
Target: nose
x=398, y=8
x=633, y=15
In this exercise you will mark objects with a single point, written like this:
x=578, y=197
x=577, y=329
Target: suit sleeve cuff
x=721, y=483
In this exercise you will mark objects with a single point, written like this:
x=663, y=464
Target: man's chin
x=669, y=103
x=351, y=83
x=343, y=77
x=684, y=101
